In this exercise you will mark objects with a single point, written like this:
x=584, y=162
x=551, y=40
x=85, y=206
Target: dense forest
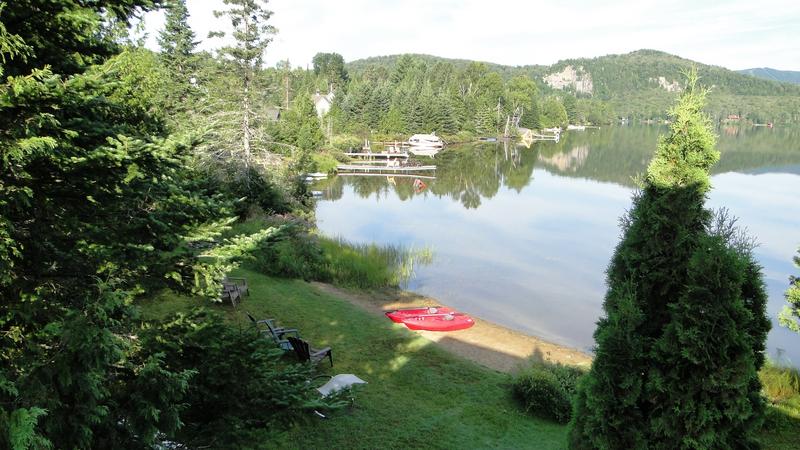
x=637, y=86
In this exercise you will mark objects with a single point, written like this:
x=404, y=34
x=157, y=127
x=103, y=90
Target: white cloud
x=733, y=34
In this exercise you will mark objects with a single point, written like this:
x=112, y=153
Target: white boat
x=426, y=141
x=576, y=127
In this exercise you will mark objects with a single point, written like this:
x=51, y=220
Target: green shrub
x=292, y=252
x=778, y=382
x=346, y=142
x=239, y=381
x=324, y=162
x=547, y=389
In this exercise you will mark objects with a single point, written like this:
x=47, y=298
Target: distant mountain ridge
x=788, y=76
x=642, y=84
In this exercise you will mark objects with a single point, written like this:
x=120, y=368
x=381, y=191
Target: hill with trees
x=640, y=85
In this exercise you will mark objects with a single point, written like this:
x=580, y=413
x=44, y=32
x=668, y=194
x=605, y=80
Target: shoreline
x=488, y=344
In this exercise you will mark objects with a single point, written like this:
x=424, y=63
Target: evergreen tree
x=486, y=121
x=392, y=122
x=571, y=108
x=553, y=113
x=95, y=203
x=682, y=338
x=301, y=126
x=445, y=116
x=790, y=316
x=177, y=39
x=252, y=35
x=531, y=116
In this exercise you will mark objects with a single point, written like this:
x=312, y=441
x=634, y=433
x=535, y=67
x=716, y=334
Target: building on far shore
x=322, y=103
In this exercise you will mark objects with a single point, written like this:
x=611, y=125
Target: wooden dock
x=393, y=175
x=351, y=167
x=377, y=155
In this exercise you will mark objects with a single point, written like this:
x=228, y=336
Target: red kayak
x=439, y=322
x=399, y=315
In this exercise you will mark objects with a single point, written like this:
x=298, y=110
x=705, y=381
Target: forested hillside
x=637, y=86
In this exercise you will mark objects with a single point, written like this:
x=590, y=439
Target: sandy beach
x=486, y=343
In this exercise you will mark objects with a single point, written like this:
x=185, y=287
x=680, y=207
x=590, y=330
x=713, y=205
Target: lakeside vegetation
x=132, y=183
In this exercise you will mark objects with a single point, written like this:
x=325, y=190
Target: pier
x=386, y=168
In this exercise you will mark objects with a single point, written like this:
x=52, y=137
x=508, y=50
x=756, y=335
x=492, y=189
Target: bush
x=546, y=390
x=346, y=142
x=239, y=382
x=778, y=382
x=324, y=162
x=292, y=252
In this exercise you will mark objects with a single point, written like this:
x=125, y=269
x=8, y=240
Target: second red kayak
x=439, y=322
x=398, y=315
x=434, y=318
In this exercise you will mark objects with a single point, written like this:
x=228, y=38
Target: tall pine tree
x=682, y=338
x=252, y=34
x=177, y=39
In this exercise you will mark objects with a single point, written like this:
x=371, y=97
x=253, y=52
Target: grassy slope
x=418, y=396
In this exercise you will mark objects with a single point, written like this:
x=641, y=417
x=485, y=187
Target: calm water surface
x=522, y=237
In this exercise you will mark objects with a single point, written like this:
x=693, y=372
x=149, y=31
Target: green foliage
x=238, y=384
x=790, y=315
x=571, y=108
x=553, y=113
x=21, y=429
x=369, y=265
x=65, y=35
x=177, y=38
x=300, y=126
x=324, y=162
x=779, y=382
x=291, y=252
x=331, y=67
x=252, y=34
x=98, y=205
x=547, y=389
x=682, y=339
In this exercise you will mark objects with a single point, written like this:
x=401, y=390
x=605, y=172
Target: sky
x=734, y=34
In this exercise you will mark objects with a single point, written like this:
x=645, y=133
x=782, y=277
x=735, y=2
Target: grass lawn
x=418, y=396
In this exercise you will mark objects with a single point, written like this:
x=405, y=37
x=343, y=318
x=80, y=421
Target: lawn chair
x=336, y=384
x=275, y=333
x=231, y=293
x=305, y=353
x=240, y=283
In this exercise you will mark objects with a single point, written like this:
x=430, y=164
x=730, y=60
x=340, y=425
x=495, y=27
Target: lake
x=522, y=236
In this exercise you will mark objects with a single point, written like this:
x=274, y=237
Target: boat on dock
x=426, y=141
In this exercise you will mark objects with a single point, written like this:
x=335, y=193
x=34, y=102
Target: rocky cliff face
x=673, y=86
x=576, y=78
